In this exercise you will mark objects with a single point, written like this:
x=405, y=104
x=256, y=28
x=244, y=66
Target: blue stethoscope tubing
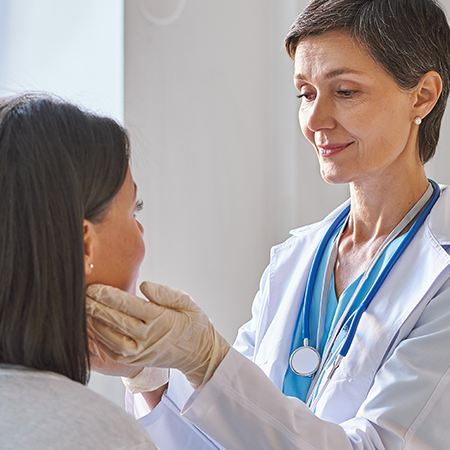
x=353, y=321
x=340, y=219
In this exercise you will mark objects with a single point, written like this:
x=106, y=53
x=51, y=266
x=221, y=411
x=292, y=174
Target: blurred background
x=205, y=90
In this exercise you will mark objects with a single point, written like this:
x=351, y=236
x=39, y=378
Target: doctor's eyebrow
x=332, y=74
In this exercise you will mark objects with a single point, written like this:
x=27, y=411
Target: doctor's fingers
x=118, y=348
x=128, y=336
x=100, y=362
x=168, y=297
x=110, y=338
x=124, y=324
x=164, y=296
x=124, y=301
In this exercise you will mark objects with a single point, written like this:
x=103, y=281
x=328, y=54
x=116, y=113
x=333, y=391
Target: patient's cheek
x=118, y=247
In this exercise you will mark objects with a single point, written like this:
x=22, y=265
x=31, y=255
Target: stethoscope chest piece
x=305, y=361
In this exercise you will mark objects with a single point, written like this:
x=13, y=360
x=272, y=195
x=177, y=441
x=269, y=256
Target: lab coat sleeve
x=406, y=408
x=167, y=427
x=253, y=413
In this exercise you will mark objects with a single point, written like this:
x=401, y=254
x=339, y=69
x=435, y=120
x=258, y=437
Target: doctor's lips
x=332, y=149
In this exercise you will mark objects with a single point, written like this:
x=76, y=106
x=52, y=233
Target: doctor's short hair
x=58, y=166
x=408, y=38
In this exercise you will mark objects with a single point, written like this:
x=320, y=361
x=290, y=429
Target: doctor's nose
x=319, y=116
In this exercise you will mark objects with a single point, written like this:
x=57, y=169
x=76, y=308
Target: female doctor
x=348, y=347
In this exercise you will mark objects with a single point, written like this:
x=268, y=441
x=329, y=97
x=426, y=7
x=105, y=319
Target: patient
x=67, y=208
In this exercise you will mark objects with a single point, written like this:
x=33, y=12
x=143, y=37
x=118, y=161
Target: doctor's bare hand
x=168, y=331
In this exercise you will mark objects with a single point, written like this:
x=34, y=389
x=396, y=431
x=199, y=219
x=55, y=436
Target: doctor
x=348, y=347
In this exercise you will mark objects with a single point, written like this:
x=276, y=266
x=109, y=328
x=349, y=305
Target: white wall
x=439, y=167
x=73, y=49
x=217, y=153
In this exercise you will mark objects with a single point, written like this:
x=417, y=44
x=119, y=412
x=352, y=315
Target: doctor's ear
x=426, y=94
x=89, y=245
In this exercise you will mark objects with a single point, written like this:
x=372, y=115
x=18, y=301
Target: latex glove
x=137, y=379
x=101, y=362
x=150, y=379
x=168, y=331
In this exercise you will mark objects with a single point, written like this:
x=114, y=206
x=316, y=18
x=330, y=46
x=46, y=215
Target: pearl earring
x=91, y=266
x=417, y=120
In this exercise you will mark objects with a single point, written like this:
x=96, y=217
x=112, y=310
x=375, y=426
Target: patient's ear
x=89, y=245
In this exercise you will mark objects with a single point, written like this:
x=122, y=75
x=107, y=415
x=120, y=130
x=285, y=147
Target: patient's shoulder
x=46, y=410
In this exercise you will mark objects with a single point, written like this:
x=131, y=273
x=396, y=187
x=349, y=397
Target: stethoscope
x=306, y=360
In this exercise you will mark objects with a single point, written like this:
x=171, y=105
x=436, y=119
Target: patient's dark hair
x=58, y=166
x=407, y=38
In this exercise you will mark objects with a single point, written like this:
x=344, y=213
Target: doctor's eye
x=308, y=96
x=346, y=93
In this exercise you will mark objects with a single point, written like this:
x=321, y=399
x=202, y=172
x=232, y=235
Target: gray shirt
x=45, y=410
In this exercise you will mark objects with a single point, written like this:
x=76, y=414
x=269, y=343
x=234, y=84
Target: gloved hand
x=136, y=379
x=102, y=363
x=168, y=331
x=150, y=379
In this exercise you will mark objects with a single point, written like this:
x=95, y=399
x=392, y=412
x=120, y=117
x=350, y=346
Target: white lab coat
x=392, y=391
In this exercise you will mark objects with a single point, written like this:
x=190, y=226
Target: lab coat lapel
x=289, y=269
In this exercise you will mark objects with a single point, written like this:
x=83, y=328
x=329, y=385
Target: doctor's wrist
x=154, y=398
x=147, y=380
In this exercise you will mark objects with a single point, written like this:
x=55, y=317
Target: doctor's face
x=358, y=120
x=117, y=242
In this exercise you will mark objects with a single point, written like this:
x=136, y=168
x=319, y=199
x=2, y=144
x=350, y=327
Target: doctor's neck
x=378, y=205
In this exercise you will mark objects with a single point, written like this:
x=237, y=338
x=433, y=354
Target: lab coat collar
x=439, y=220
